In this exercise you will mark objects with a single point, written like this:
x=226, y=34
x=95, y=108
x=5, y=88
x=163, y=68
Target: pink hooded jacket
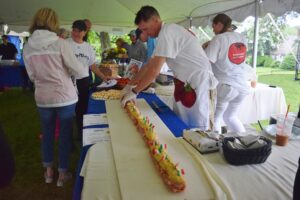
x=50, y=62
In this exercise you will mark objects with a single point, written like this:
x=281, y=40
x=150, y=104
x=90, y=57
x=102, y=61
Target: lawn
x=19, y=118
x=271, y=71
x=285, y=80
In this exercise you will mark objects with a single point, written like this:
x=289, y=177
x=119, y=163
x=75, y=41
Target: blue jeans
x=48, y=116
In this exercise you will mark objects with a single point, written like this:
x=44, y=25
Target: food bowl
x=122, y=82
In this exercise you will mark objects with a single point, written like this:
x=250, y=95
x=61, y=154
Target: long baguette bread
x=169, y=171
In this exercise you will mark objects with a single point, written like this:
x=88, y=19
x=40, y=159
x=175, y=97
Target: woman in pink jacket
x=50, y=62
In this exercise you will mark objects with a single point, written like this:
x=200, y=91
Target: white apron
x=192, y=102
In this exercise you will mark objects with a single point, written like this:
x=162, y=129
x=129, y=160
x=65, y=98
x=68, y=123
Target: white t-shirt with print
x=184, y=55
x=227, y=52
x=85, y=54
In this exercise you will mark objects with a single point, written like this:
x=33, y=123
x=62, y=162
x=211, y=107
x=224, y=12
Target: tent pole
x=282, y=36
x=255, y=39
x=191, y=21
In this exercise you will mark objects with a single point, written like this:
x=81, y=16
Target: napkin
x=247, y=142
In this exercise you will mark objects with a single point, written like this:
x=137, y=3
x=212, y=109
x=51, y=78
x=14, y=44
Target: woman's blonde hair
x=46, y=19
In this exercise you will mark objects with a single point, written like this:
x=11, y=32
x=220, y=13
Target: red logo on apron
x=237, y=53
x=184, y=93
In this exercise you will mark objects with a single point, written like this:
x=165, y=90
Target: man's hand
x=127, y=89
x=104, y=79
x=109, y=78
x=127, y=94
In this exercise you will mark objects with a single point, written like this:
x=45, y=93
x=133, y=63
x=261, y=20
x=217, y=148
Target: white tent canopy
x=23, y=34
x=118, y=15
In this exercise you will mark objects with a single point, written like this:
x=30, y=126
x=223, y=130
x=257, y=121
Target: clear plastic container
x=283, y=129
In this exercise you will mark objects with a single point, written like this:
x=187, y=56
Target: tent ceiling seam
x=120, y=2
x=190, y=15
x=203, y=16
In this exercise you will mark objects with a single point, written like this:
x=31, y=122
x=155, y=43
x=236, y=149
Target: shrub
x=268, y=61
x=288, y=62
x=276, y=64
x=264, y=61
x=249, y=60
x=260, y=61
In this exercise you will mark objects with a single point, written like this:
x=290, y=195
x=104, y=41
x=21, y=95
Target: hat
x=132, y=33
x=80, y=25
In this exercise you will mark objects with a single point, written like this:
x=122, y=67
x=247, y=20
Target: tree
x=94, y=41
x=269, y=37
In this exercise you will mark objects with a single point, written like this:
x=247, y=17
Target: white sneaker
x=48, y=179
x=63, y=177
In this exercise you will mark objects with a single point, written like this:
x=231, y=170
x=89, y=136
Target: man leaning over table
x=192, y=70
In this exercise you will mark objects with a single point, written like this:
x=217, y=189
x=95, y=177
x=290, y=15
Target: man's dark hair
x=4, y=36
x=223, y=19
x=145, y=13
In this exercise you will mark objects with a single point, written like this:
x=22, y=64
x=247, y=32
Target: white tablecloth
x=260, y=104
x=99, y=172
x=271, y=180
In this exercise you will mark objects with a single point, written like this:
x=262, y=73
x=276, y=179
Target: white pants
x=228, y=101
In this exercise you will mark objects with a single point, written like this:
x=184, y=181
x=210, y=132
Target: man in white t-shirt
x=184, y=55
x=86, y=55
x=227, y=53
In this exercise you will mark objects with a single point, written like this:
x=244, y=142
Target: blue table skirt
x=175, y=124
x=10, y=76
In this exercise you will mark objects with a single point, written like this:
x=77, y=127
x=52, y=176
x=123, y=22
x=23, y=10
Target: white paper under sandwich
x=169, y=171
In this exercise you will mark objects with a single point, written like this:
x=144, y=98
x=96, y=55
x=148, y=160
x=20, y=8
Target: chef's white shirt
x=185, y=56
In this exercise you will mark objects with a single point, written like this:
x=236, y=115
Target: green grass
x=20, y=122
x=285, y=80
x=271, y=71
